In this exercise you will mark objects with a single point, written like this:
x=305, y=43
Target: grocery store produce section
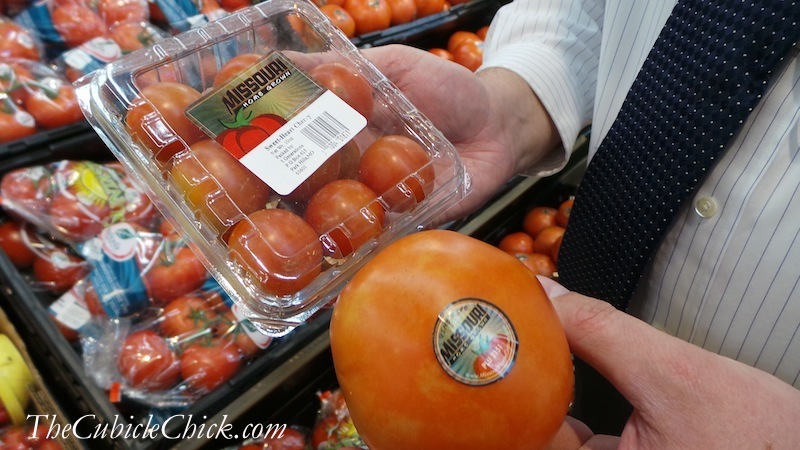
x=120, y=319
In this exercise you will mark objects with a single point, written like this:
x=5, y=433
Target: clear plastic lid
x=282, y=154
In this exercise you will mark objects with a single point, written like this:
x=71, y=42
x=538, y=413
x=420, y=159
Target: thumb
x=632, y=355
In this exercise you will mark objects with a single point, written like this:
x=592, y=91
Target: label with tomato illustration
x=277, y=121
x=474, y=342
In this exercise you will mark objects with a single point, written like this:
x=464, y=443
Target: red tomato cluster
x=123, y=21
x=34, y=98
x=25, y=437
x=195, y=342
x=464, y=47
x=537, y=244
x=282, y=241
x=17, y=41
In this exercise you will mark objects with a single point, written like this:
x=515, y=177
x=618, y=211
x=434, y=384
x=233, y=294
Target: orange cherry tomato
x=234, y=67
x=369, y=15
x=403, y=11
x=538, y=263
x=482, y=32
x=341, y=18
x=442, y=53
x=517, y=242
x=538, y=219
x=429, y=7
x=469, y=54
x=546, y=239
x=564, y=210
x=459, y=37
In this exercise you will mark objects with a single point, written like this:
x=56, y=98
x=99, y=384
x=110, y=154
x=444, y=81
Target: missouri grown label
x=474, y=342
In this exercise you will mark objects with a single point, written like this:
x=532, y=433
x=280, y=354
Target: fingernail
x=552, y=287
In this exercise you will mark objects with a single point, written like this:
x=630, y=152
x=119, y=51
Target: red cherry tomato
x=166, y=132
x=347, y=85
x=206, y=170
x=173, y=274
x=278, y=248
x=17, y=42
x=77, y=24
x=235, y=66
x=186, y=315
x=147, y=362
x=391, y=160
x=206, y=365
x=327, y=172
x=54, y=109
x=13, y=242
x=58, y=270
x=351, y=204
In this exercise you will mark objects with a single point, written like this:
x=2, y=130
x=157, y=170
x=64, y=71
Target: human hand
x=494, y=119
x=683, y=396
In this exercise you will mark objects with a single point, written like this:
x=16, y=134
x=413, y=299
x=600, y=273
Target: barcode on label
x=325, y=130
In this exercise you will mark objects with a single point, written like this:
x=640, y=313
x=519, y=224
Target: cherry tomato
x=27, y=191
x=395, y=159
x=278, y=248
x=289, y=439
x=538, y=219
x=555, y=249
x=564, y=210
x=403, y=11
x=186, y=315
x=517, y=242
x=369, y=15
x=132, y=36
x=17, y=42
x=446, y=282
x=352, y=208
x=546, y=239
x=147, y=362
x=347, y=85
x=58, y=270
x=13, y=242
x=442, y=53
x=115, y=12
x=175, y=273
x=206, y=365
x=429, y=7
x=77, y=24
x=54, y=109
x=327, y=172
x=460, y=37
x=482, y=32
x=538, y=263
x=341, y=18
x=235, y=66
x=208, y=169
x=15, y=124
x=158, y=119
x=76, y=219
x=469, y=54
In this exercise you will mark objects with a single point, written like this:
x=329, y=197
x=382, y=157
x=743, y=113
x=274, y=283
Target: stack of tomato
x=358, y=17
x=537, y=244
x=464, y=47
x=27, y=436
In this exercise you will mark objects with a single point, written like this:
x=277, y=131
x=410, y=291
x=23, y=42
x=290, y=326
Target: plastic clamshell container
x=159, y=110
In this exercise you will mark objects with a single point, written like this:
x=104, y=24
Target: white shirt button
x=705, y=207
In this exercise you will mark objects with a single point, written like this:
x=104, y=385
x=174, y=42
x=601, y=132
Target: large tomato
x=27, y=192
x=471, y=333
x=217, y=185
x=132, y=36
x=78, y=219
x=187, y=315
x=147, y=362
x=369, y=15
x=173, y=274
x=347, y=85
x=57, y=270
x=115, y=12
x=17, y=42
x=158, y=119
x=391, y=160
x=15, y=124
x=76, y=23
x=279, y=249
x=54, y=108
x=206, y=365
x=352, y=208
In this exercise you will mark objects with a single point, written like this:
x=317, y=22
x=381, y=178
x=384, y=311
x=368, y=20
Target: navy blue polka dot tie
x=706, y=72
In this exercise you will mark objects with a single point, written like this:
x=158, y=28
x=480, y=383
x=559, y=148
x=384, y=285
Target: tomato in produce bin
x=147, y=362
x=207, y=363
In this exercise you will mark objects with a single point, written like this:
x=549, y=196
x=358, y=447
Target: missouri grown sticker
x=277, y=121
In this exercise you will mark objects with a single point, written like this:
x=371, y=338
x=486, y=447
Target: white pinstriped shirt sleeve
x=554, y=45
x=727, y=276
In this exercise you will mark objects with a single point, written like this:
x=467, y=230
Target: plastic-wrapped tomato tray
x=274, y=105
